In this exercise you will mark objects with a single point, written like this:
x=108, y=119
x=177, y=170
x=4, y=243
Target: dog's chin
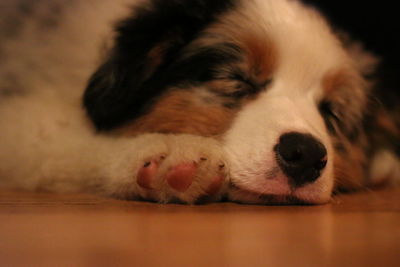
x=242, y=195
x=278, y=191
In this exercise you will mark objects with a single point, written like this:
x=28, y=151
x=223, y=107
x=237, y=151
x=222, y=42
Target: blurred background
x=377, y=25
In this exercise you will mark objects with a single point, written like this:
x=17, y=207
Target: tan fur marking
x=384, y=121
x=338, y=79
x=261, y=56
x=155, y=58
x=182, y=112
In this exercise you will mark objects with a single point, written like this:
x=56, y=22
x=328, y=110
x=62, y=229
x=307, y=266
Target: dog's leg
x=163, y=168
x=47, y=144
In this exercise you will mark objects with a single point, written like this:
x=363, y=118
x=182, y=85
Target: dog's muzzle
x=301, y=157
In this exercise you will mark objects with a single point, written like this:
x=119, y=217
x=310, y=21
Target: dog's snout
x=301, y=157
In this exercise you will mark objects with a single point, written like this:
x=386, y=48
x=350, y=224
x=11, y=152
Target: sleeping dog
x=254, y=101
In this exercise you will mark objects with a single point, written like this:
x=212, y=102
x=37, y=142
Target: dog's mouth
x=246, y=195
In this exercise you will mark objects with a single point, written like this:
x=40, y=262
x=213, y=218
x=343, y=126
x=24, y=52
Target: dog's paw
x=177, y=168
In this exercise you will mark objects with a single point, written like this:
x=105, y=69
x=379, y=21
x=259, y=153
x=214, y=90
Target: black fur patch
x=130, y=80
x=201, y=65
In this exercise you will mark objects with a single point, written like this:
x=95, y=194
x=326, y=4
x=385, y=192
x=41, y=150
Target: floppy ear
x=146, y=45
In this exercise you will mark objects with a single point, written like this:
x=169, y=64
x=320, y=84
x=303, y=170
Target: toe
x=215, y=185
x=181, y=176
x=146, y=174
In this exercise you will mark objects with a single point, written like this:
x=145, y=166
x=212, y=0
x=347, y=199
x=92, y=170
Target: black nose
x=301, y=157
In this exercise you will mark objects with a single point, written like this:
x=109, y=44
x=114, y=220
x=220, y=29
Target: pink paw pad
x=181, y=176
x=146, y=174
x=215, y=185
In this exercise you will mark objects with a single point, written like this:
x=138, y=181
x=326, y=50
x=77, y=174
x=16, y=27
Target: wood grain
x=361, y=229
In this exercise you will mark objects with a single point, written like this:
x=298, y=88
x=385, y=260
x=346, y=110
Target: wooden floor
x=361, y=229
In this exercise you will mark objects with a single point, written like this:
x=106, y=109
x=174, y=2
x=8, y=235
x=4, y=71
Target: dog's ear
x=146, y=45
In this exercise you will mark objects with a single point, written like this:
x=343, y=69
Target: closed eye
x=235, y=84
x=247, y=86
x=255, y=86
x=330, y=115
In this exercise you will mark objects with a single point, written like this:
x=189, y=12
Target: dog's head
x=269, y=78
